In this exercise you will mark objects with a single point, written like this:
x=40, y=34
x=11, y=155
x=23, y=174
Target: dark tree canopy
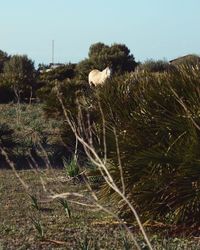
x=97, y=48
x=100, y=55
x=19, y=71
x=116, y=56
x=19, y=75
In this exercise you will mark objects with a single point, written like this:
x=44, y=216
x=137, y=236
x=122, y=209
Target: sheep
x=97, y=77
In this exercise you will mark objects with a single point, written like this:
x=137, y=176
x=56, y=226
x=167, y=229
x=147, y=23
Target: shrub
x=157, y=122
x=59, y=73
x=188, y=60
x=83, y=68
x=154, y=66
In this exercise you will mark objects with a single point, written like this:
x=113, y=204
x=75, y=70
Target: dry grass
x=17, y=230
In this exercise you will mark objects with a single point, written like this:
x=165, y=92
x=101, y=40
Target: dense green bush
x=49, y=78
x=59, y=73
x=70, y=90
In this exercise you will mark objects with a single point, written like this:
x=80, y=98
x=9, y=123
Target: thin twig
x=180, y=101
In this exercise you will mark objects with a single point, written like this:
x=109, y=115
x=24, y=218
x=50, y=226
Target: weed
x=72, y=168
x=34, y=202
x=38, y=226
x=66, y=207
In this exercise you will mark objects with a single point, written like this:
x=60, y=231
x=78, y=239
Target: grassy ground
x=27, y=117
x=20, y=217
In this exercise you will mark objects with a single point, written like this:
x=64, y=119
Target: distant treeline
x=19, y=78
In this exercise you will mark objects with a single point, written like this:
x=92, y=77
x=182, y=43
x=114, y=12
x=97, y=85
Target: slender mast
x=52, y=52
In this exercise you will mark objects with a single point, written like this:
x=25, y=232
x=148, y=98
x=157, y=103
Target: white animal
x=97, y=77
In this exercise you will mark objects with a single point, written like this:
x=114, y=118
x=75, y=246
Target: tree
x=20, y=74
x=96, y=48
x=116, y=56
x=121, y=59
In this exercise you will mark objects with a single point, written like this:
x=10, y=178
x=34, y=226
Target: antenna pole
x=52, y=51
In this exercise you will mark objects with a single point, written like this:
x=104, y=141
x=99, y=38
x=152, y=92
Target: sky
x=151, y=29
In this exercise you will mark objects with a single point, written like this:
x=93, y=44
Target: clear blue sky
x=154, y=29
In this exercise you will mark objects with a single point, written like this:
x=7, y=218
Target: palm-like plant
x=156, y=117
